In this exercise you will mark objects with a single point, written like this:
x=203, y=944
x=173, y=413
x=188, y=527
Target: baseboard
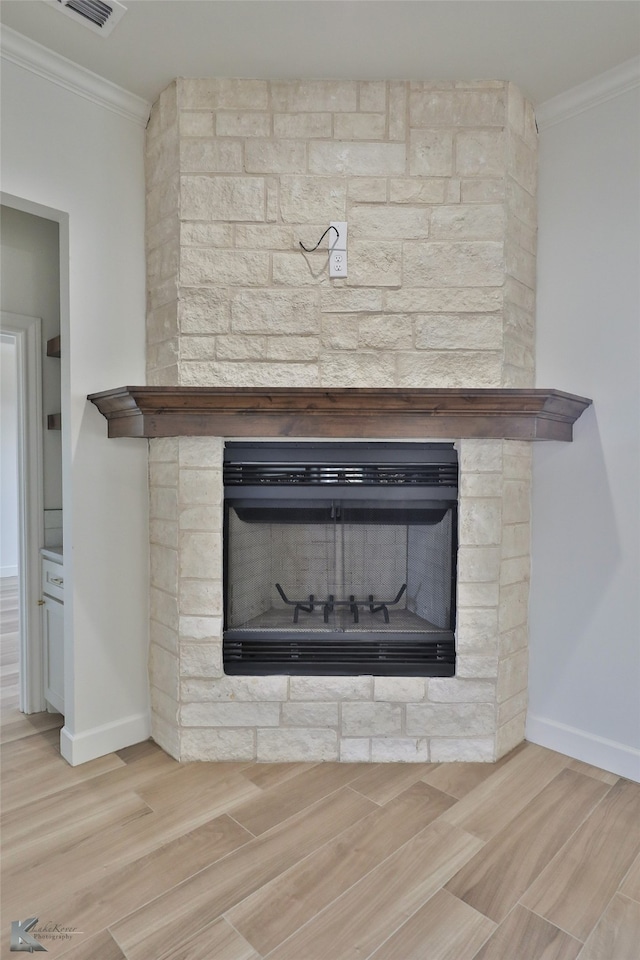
x=607, y=754
x=11, y=571
x=97, y=742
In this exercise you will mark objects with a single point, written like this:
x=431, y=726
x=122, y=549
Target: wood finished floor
x=14, y=724
x=534, y=858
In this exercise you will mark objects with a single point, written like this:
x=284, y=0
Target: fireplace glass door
x=342, y=570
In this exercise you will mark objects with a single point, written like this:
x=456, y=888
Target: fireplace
x=340, y=559
x=201, y=711
x=430, y=337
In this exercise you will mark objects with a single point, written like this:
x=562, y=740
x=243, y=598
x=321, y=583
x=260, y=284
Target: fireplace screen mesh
x=336, y=575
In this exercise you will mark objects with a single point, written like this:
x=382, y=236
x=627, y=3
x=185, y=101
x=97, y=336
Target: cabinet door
x=53, y=634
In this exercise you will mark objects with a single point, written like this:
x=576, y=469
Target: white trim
x=99, y=741
x=32, y=56
x=598, y=751
x=27, y=332
x=604, y=87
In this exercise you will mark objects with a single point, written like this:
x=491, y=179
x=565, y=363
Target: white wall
x=75, y=157
x=8, y=459
x=585, y=649
x=30, y=275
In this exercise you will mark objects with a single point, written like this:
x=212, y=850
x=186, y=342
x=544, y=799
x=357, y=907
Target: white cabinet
x=53, y=631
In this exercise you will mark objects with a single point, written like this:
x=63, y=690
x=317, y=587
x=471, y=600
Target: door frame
x=26, y=333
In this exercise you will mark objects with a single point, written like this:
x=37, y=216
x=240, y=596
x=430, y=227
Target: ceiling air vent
x=97, y=15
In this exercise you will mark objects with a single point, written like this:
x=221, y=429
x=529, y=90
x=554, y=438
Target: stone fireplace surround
x=367, y=718
x=437, y=182
x=201, y=714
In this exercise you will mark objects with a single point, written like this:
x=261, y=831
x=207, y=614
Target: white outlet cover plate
x=338, y=241
x=338, y=249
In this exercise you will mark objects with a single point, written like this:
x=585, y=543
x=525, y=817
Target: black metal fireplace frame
x=258, y=477
x=332, y=655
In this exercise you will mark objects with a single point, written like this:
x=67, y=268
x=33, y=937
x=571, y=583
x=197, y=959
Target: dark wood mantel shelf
x=392, y=413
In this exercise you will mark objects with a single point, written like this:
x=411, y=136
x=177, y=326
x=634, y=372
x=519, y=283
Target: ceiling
x=544, y=46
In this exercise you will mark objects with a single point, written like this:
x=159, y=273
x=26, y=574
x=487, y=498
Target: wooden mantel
x=391, y=413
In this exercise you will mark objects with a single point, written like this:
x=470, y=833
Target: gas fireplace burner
x=340, y=532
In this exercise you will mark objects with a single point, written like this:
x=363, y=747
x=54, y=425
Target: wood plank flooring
x=141, y=858
x=13, y=724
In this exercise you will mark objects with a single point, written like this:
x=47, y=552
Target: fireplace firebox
x=340, y=558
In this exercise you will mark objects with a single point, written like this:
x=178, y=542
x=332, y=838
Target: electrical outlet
x=338, y=249
x=338, y=263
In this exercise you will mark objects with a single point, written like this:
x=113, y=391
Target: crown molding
x=35, y=58
x=604, y=87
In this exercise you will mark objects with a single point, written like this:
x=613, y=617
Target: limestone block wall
x=437, y=182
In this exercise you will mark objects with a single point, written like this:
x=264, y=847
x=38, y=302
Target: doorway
x=30, y=316
x=22, y=504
